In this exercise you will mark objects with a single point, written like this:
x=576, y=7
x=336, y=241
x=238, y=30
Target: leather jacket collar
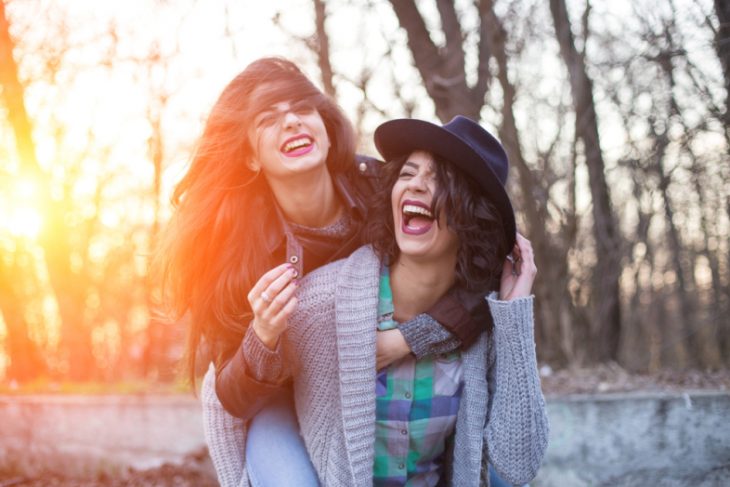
x=351, y=187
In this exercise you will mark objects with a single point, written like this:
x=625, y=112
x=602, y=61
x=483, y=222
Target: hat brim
x=400, y=137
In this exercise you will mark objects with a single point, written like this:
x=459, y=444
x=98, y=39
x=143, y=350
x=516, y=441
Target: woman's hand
x=518, y=272
x=390, y=346
x=272, y=301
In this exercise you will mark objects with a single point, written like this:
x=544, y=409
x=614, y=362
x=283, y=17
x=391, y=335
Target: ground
x=612, y=378
x=197, y=470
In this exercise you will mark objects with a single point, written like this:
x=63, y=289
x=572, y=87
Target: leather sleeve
x=465, y=314
x=239, y=390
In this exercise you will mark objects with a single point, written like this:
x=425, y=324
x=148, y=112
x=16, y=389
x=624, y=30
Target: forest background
x=614, y=116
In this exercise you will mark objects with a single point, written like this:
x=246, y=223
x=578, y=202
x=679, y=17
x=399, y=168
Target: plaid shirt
x=416, y=406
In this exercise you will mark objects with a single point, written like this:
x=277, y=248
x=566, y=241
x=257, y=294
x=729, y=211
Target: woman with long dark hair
x=274, y=191
x=445, y=221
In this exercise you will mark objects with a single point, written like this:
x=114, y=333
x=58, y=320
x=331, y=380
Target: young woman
x=448, y=223
x=273, y=184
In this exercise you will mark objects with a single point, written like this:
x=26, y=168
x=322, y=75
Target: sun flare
x=24, y=222
x=22, y=218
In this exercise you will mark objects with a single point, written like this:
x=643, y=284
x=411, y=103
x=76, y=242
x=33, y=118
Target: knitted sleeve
x=517, y=425
x=225, y=436
x=425, y=336
x=253, y=374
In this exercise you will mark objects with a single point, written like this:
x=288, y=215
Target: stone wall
x=638, y=439
x=613, y=439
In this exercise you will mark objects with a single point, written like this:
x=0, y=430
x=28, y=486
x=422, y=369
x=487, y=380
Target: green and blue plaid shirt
x=416, y=406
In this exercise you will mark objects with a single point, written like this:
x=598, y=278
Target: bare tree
x=443, y=68
x=555, y=307
x=322, y=46
x=69, y=291
x=722, y=47
x=606, y=315
x=26, y=359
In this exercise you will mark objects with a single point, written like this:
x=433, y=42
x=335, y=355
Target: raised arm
x=255, y=372
x=517, y=426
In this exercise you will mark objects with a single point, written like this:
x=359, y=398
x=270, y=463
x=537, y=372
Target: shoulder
x=328, y=275
x=360, y=265
x=363, y=175
x=368, y=166
x=319, y=289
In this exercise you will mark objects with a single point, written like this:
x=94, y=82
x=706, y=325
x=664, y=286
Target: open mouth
x=417, y=217
x=296, y=146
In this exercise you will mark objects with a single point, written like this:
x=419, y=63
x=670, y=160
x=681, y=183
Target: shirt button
x=404, y=432
x=408, y=395
x=363, y=167
x=401, y=466
x=293, y=259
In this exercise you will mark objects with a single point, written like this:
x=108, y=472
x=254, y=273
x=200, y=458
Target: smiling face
x=418, y=233
x=289, y=139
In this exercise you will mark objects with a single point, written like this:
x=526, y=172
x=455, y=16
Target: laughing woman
x=445, y=221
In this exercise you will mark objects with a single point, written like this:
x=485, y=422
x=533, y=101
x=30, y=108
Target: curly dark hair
x=470, y=214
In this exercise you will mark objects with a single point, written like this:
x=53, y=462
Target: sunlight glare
x=24, y=222
x=22, y=217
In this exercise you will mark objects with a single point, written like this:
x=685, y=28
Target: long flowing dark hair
x=212, y=251
x=470, y=214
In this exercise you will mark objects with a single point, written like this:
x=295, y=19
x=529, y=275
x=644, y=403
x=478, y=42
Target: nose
x=291, y=119
x=417, y=183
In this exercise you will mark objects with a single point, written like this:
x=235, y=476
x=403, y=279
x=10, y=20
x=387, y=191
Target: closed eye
x=302, y=108
x=266, y=119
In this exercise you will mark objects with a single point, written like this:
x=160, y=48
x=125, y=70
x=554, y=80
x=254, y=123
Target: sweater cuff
x=263, y=364
x=425, y=336
x=515, y=315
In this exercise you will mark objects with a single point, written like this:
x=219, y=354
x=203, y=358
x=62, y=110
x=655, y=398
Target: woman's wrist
x=267, y=337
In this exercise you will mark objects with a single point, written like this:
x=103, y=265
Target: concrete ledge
x=625, y=439
x=638, y=439
x=94, y=434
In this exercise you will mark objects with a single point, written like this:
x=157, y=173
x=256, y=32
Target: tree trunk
x=555, y=346
x=442, y=68
x=323, y=49
x=722, y=47
x=68, y=288
x=26, y=361
x=703, y=346
x=684, y=330
x=605, y=302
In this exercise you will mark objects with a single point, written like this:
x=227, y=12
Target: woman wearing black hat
x=445, y=222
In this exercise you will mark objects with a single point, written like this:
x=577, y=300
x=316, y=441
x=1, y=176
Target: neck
x=418, y=285
x=308, y=199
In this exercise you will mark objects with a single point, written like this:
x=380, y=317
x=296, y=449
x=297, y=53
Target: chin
x=410, y=248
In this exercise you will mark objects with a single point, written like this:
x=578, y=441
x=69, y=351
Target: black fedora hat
x=462, y=142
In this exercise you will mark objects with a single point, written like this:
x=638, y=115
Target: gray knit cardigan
x=329, y=349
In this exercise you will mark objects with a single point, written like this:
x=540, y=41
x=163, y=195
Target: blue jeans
x=275, y=451
x=496, y=481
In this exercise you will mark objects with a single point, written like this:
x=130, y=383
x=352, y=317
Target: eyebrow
x=411, y=164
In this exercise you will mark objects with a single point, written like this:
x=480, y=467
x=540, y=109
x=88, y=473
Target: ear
x=253, y=165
